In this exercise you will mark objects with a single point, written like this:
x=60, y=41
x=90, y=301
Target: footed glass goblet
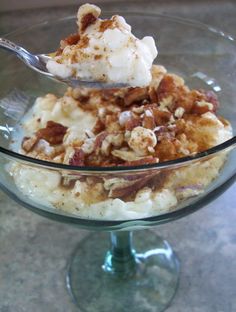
x=139, y=276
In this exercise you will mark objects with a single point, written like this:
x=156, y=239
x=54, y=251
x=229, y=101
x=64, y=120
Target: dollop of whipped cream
x=105, y=50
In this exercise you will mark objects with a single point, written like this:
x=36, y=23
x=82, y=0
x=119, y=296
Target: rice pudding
x=122, y=127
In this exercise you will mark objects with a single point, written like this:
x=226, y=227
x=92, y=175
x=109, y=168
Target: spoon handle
x=23, y=54
x=11, y=46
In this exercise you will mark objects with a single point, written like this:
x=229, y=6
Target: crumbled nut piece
x=161, y=117
x=140, y=139
x=98, y=127
x=122, y=188
x=135, y=95
x=153, y=95
x=126, y=155
x=132, y=123
x=204, y=103
x=158, y=73
x=80, y=94
x=78, y=158
x=44, y=147
x=88, y=146
x=202, y=107
x=151, y=149
x=211, y=97
x=111, y=140
x=179, y=112
x=69, y=152
x=148, y=120
x=138, y=109
x=53, y=133
x=28, y=143
x=101, y=112
x=166, y=104
x=99, y=139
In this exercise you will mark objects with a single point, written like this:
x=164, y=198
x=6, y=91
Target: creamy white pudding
x=104, y=50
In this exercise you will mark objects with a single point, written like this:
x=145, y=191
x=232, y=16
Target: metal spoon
x=38, y=63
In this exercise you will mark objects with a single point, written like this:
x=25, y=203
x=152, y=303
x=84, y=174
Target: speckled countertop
x=34, y=251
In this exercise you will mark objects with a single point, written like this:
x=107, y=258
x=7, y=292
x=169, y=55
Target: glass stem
x=120, y=259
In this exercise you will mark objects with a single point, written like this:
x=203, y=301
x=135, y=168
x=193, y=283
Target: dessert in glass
x=121, y=159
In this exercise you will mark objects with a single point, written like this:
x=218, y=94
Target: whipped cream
x=105, y=51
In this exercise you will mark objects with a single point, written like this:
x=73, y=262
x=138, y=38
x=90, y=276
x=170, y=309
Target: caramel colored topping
x=87, y=20
x=105, y=24
x=70, y=40
x=98, y=57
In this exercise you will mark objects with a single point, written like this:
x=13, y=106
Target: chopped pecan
x=148, y=120
x=29, y=143
x=98, y=127
x=204, y=101
x=153, y=95
x=200, y=109
x=166, y=149
x=132, y=123
x=166, y=87
x=128, y=190
x=135, y=95
x=212, y=98
x=166, y=135
x=172, y=88
x=83, y=99
x=134, y=186
x=142, y=161
x=53, y=133
x=99, y=139
x=78, y=158
x=113, y=96
x=161, y=117
x=107, y=94
x=125, y=155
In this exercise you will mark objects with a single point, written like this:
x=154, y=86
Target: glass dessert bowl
x=144, y=277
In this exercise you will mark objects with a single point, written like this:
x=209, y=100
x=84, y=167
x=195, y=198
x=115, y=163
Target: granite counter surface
x=34, y=251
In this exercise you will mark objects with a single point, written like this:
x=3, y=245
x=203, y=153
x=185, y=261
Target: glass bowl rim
x=166, y=164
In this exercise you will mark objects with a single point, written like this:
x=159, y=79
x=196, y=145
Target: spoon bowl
x=38, y=63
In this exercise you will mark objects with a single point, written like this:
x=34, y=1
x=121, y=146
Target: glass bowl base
x=150, y=287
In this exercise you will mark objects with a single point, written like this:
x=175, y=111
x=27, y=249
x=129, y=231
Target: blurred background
x=29, y=4
x=18, y=13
